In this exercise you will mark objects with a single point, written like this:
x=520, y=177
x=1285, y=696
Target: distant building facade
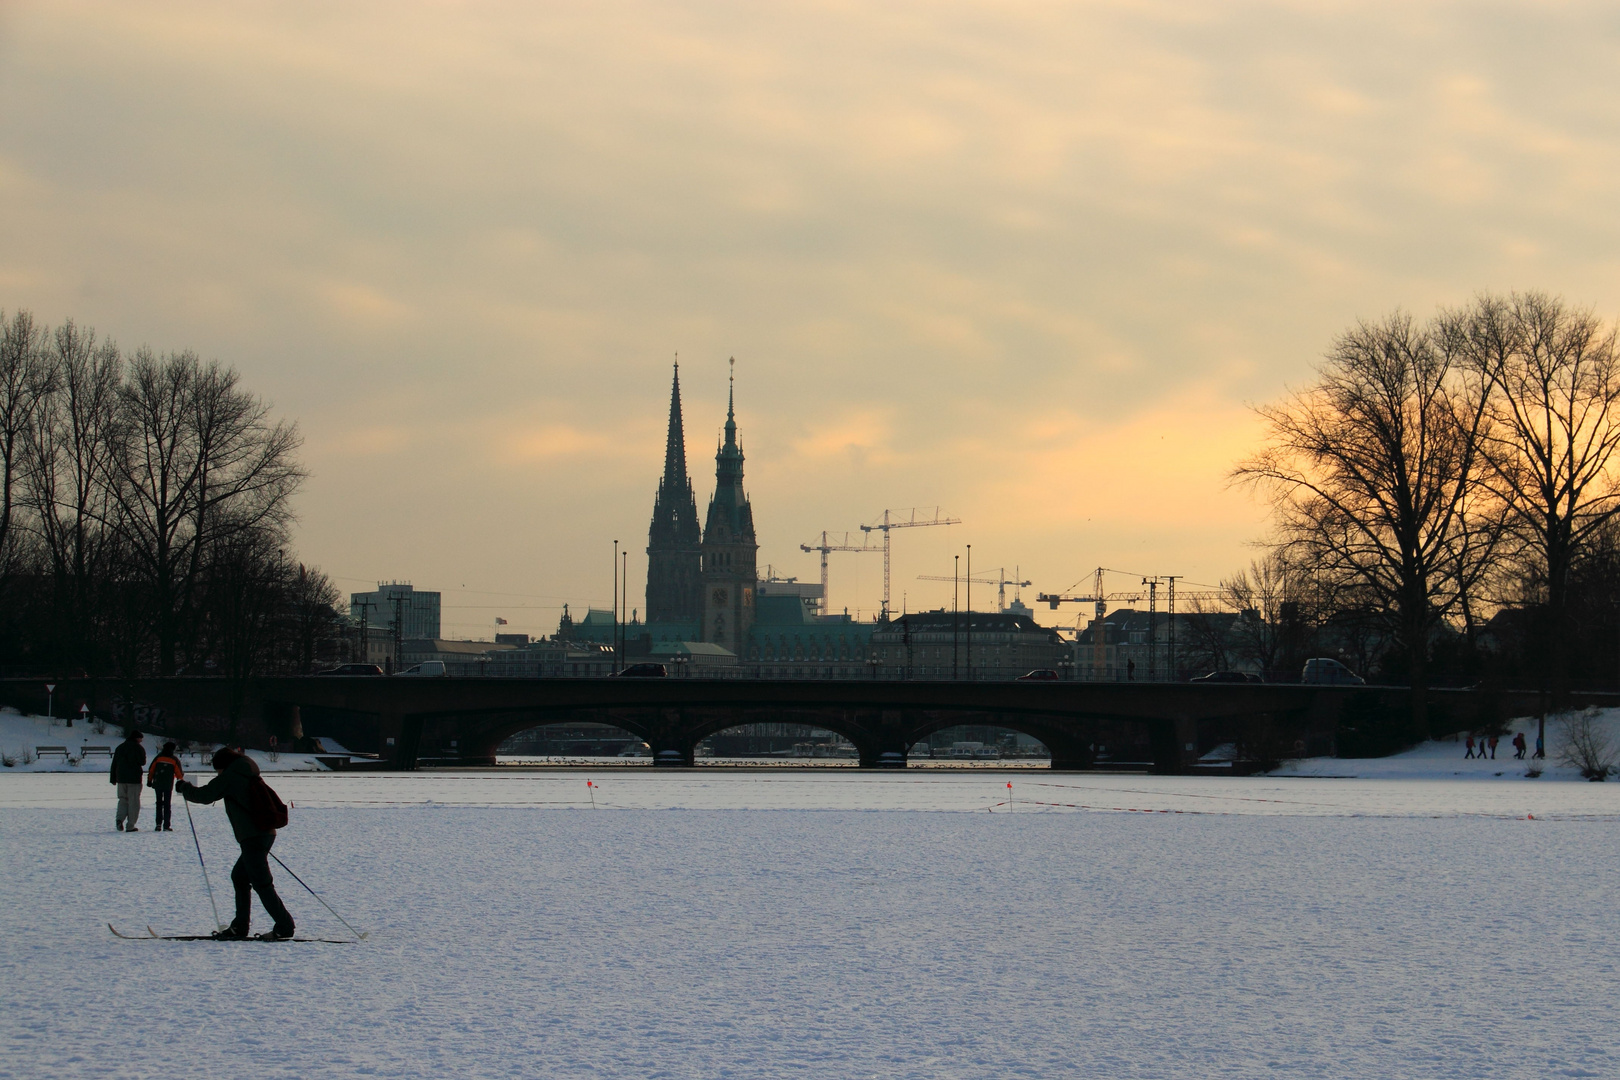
x=418, y=611
x=968, y=644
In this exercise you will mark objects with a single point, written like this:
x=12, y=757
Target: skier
x=238, y=776
x=1470, y=754
x=128, y=762
x=160, y=778
x=1519, y=745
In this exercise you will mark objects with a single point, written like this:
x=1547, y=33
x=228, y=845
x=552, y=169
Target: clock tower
x=729, y=550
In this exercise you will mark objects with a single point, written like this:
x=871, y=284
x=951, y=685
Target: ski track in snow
x=709, y=926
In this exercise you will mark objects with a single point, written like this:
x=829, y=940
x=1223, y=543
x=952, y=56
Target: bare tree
x=199, y=462
x=1370, y=470
x=1207, y=634
x=1259, y=595
x=70, y=455
x=25, y=378
x=1585, y=745
x=1554, y=406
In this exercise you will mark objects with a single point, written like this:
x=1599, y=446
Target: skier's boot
x=232, y=932
x=279, y=932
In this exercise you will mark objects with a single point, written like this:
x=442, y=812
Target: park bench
x=87, y=751
x=43, y=752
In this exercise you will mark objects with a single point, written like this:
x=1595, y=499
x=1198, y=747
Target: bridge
x=409, y=721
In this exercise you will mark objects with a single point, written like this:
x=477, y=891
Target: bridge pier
x=673, y=756
x=1071, y=754
x=886, y=747
x=1174, y=743
x=284, y=721
x=399, y=739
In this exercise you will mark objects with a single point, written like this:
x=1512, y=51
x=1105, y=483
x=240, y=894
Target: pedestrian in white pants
x=129, y=806
x=128, y=770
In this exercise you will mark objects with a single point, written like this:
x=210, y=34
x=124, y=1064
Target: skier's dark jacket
x=233, y=784
x=128, y=763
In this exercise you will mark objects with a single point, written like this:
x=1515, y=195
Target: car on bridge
x=352, y=669
x=642, y=671
x=1227, y=677
x=1043, y=674
x=427, y=669
x=1325, y=671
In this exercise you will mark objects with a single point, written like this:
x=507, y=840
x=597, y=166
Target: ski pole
x=358, y=935
x=217, y=924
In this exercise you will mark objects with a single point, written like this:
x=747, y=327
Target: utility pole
x=399, y=632
x=624, y=624
x=1153, y=627
x=956, y=615
x=1171, y=607
x=615, y=640
x=970, y=612
x=365, y=632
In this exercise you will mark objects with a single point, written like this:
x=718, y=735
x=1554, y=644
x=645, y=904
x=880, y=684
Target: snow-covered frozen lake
x=832, y=923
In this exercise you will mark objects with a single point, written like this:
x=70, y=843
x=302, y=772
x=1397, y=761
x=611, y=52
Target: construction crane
x=830, y=543
x=912, y=521
x=1000, y=581
x=1099, y=639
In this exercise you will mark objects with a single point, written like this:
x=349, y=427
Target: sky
x=1031, y=263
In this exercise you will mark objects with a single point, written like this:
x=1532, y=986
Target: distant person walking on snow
x=237, y=784
x=128, y=765
x=1541, y=749
x=1493, y=747
x=160, y=778
x=1470, y=753
x=1519, y=746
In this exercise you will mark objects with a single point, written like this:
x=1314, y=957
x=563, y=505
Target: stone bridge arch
x=480, y=734
x=1068, y=743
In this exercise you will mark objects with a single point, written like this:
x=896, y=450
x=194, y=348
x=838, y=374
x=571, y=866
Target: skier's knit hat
x=224, y=756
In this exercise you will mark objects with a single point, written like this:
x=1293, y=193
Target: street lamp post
x=970, y=613
x=615, y=606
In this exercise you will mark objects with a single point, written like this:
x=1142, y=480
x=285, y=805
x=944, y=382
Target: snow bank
x=22, y=734
x=1444, y=759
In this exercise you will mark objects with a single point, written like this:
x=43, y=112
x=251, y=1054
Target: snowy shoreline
x=1440, y=759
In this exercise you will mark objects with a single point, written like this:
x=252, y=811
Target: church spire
x=673, y=540
x=731, y=406
x=675, y=443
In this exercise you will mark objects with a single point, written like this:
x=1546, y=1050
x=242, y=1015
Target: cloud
x=1023, y=260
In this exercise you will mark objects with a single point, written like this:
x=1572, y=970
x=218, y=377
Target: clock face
x=720, y=596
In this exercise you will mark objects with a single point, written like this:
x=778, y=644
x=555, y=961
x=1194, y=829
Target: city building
x=1141, y=646
x=965, y=645
x=417, y=612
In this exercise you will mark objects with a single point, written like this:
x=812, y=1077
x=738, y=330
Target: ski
x=152, y=935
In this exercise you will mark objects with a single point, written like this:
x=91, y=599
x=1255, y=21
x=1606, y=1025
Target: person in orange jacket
x=161, y=778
